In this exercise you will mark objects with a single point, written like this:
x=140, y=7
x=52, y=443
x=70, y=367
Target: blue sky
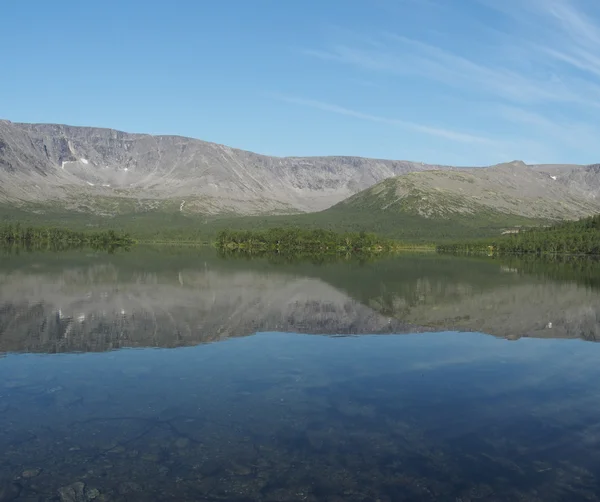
x=467, y=82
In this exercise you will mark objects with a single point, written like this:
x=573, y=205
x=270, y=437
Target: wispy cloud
x=340, y=110
x=539, y=67
x=575, y=22
x=562, y=31
x=576, y=134
x=405, y=56
x=576, y=39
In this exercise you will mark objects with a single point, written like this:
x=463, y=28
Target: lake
x=174, y=374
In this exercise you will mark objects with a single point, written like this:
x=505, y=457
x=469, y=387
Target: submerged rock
x=30, y=473
x=92, y=494
x=72, y=493
x=77, y=492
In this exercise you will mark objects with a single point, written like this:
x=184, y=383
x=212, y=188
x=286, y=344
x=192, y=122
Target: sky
x=469, y=82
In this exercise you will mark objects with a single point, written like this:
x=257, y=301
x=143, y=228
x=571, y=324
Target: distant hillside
x=505, y=189
x=107, y=172
x=468, y=202
x=176, y=187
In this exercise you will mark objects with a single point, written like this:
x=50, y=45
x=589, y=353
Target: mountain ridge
x=509, y=188
x=66, y=171
x=215, y=178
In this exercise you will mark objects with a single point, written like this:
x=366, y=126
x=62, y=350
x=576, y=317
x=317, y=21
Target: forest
x=60, y=237
x=162, y=227
x=285, y=240
x=580, y=237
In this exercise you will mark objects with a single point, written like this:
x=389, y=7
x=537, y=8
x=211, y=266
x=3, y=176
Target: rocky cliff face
x=79, y=166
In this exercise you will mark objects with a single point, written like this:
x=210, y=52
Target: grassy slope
x=428, y=207
x=168, y=226
x=423, y=214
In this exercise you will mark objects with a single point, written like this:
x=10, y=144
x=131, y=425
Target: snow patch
x=65, y=162
x=181, y=206
x=85, y=161
x=553, y=177
x=126, y=169
x=106, y=186
x=90, y=184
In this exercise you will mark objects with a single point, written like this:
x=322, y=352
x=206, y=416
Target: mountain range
x=74, y=165
x=107, y=173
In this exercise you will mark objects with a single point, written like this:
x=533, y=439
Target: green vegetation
x=59, y=237
x=160, y=226
x=291, y=240
x=580, y=237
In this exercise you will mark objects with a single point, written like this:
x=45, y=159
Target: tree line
x=61, y=237
x=574, y=237
x=303, y=240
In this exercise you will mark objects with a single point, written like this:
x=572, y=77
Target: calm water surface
x=166, y=375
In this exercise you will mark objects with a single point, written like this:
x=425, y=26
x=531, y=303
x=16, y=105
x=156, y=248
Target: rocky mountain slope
x=511, y=189
x=83, y=170
x=109, y=172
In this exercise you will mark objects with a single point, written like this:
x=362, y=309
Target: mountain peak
x=514, y=163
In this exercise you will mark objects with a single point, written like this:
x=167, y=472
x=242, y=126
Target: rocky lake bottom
x=179, y=376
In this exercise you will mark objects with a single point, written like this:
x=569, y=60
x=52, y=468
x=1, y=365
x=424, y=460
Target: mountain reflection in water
x=282, y=416
x=78, y=302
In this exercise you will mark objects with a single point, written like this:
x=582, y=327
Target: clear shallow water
x=280, y=416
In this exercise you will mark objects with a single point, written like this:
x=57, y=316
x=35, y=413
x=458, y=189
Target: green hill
x=432, y=206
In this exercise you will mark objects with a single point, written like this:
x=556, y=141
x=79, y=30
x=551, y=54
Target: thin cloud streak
x=580, y=43
x=575, y=22
x=412, y=57
x=574, y=134
x=563, y=34
x=535, y=78
x=425, y=129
